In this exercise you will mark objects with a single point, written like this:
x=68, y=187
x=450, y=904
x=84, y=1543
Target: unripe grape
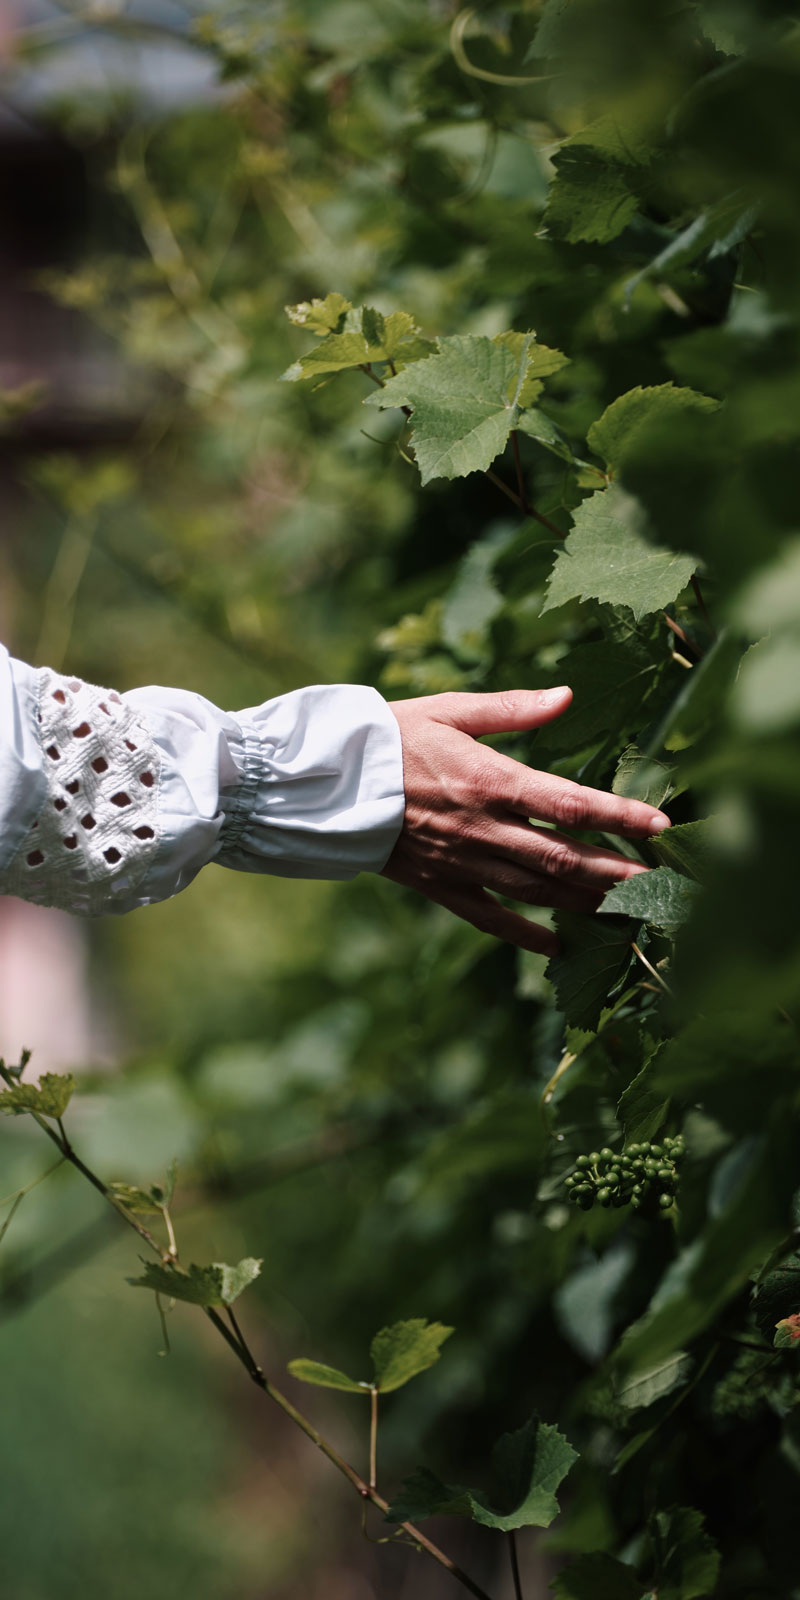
x=606, y=1154
x=665, y=1201
x=583, y=1162
x=636, y=1191
x=571, y=1180
x=655, y=1150
x=584, y=1189
x=638, y=1165
x=604, y=1196
x=634, y=1150
x=586, y=1201
x=594, y=1157
x=613, y=1175
x=651, y=1168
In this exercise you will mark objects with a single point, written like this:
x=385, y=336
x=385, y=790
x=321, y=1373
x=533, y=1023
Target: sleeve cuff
x=320, y=791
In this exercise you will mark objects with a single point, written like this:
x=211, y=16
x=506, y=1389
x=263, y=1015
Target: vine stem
x=512, y=1548
x=520, y=475
x=236, y=1341
x=683, y=635
x=373, y=1437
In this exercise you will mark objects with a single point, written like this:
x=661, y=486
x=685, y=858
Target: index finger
x=547, y=798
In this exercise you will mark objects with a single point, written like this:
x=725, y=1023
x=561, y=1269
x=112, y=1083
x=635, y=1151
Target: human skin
x=467, y=834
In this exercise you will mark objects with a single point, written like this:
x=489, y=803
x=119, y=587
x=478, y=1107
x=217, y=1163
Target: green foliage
x=525, y=1469
x=398, y=1354
x=216, y=1285
x=622, y=178
x=49, y=1099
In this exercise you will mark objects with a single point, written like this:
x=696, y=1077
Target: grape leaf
x=325, y=1377
x=49, y=1099
x=398, y=1354
x=644, y=1106
x=777, y=1297
x=607, y=557
x=647, y=1387
x=687, y=1560
x=616, y=429
x=609, y=683
x=465, y=400
x=406, y=1348
x=525, y=1470
x=320, y=316
x=216, y=1285
x=542, y=362
x=640, y=777
x=787, y=1333
x=598, y=1577
x=590, y=198
x=363, y=335
x=686, y=847
x=142, y=1201
x=662, y=898
x=594, y=957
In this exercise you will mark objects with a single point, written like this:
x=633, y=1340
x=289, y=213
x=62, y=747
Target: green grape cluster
x=642, y=1176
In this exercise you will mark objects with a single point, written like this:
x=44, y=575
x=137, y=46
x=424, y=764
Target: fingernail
x=659, y=822
x=549, y=697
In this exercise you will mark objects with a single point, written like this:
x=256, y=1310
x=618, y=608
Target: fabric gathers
x=109, y=801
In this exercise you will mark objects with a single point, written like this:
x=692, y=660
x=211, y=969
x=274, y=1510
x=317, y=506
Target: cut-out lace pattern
x=98, y=830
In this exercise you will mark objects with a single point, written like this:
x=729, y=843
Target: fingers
x=478, y=907
x=568, y=804
x=508, y=712
x=552, y=856
x=531, y=888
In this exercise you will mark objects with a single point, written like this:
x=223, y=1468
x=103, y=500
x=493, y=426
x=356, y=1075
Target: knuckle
x=557, y=859
x=571, y=808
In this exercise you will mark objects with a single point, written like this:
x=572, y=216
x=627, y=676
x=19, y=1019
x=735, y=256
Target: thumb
x=509, y=711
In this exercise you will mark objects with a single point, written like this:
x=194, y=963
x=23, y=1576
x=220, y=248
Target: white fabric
x=108, y=802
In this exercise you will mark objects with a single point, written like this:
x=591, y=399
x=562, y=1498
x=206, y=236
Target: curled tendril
x=457, y=31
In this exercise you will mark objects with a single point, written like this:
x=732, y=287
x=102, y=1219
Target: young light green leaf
x=640, y=777
x=598, y=1577
x=662, y=898
x=216, y=1285
x=325, y=1377
x=542, y=362
x=525, y=1470
x=608, y=557
x=141, y=1201
x=647, y=1387
x=615, y=431
x=687, y=1561
x=465, y=400
x=49, y=1099
x=320, y=316
x=594, y=957
x=363, y=336
x=401, y=1351
x=644, y=1106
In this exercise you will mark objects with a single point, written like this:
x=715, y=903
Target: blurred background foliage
x=351, y=1079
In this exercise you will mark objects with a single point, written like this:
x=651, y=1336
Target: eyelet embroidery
x=98, y=831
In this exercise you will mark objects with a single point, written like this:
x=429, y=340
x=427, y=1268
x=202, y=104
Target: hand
x=467, y=829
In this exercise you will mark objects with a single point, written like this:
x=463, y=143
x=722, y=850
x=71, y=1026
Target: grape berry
x=644, y=1176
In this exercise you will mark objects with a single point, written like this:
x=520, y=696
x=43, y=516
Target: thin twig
x=235, y=1339
x=520, y=475
x=512, y=1547
x=373, y=1437
x=683, y=635
x=649, y=965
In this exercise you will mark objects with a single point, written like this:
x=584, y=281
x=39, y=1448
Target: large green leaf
x=406, y=1348
x=609, y=683
x=594, y=957
x=608, y=557
x=465, y=399
x=525, y=1470
x=590, y=197
x=687, y=847
x=615, y=431
x=641, y=777
x=598, y=1577
x=216, y=1285
x=49, y=1099
x=662, y=898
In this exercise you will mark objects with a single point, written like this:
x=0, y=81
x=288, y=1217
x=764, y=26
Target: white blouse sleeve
x=108, y=801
